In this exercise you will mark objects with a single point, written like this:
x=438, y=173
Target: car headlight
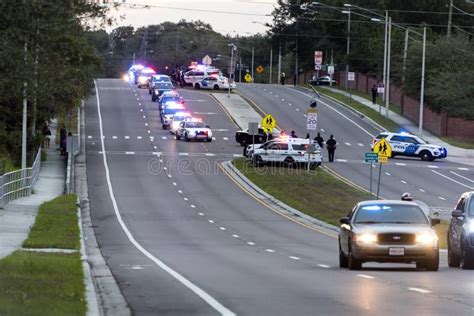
x=426, y=238
x=366, y=238
x=470, y=226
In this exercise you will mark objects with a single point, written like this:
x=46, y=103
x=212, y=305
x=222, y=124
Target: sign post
x=253, y=130
x=311, y=125
x=318, y=60
x=384, y=151
x=350, y=77
x=371, y=158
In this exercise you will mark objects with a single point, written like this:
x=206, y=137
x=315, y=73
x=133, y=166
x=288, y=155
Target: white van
x=288, y=151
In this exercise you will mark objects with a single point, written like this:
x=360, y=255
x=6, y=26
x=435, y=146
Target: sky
x=232, y=17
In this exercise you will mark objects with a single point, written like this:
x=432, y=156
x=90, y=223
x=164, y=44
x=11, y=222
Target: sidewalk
x=19, y=215
x=238, y=109
x=453, y=151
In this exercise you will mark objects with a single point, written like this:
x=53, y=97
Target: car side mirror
x=345, y=220
x=458, y=214
x=435, y=221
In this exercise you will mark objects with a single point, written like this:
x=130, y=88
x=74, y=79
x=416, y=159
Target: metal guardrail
x=19, y=183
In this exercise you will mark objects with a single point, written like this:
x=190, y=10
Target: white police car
x=194, y=129
x=215, y=83
x=286, y=150
x=409, y=145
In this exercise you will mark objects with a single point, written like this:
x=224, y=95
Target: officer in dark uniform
x=331, y=146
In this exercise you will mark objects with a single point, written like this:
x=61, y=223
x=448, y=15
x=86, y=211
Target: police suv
x=286, y=150
x=409, y=145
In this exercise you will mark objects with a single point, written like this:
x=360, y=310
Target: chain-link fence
x=19, y=183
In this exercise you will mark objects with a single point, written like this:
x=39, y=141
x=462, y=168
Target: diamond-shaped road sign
x=383, y=148
x=268, y=123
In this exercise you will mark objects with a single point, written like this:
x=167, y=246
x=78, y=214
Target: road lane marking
x=421, y=190
x=269, y=250
x=324, y=266
x=250, y=243
x=433, y=167
x=295, y=258
x=403, y=181
x=236, y=236
x=129, y=153
x=453, y=180
x=89, y=137
x=441, y=198
x=164, y=137
x=361, y=145
x=139, y=137
x=175, y=184
x=226, y=138
x=348, y=144
x=388, y=173
x=114, y=137
x=210, y=155
x=416, y=289
x=180, y=192
x=462, y=168
x=400, y=164
x=365, y=276
x=297, y=109
x=127, y=137
x=187, y=283
x=341, y=160
x=237, y=155
x=183, y=154
x=210, y=221
x=461, y=176
x=222, y=228
x=201, y=214
x=322, y=130
x=192, y=206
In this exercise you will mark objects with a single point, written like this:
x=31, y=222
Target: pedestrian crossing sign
x=268, y=123
x=248, y=78
x=383, y=148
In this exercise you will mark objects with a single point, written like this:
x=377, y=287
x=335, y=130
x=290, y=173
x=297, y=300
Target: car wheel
x=209, y=140
x=163, y=125
x=453, y=260
x=426, y=156
x=343, y=261
x=216, y=87
x=257, y=160
x=353, y=263
x=430, y=264
x=149, y=91
x=197, y=86
x=467, y=259
x=289, y=162
x=186, y=137
x=178, y=137
x=153, y=98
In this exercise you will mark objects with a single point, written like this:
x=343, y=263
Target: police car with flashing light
x=194, y=129
x=409, y=145
x=215, y=83
x=286, y=150
x=167, y=113
x=177, y=119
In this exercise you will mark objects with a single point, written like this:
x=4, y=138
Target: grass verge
x=36, y=283
x=315, y=193
x=388, y=124
x=55, y=225
x=42, y=284
x=462, y=143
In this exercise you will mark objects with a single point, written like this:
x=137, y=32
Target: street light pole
x=253, y=59
x=231, y=68
x=405, y=52
x=25, y=115
x=385, y=55
x=450, y=18
x=348, y=45
x=279, y=62
x=240, y=69
x=422, y=89
x=387, y=85
x=271, y=65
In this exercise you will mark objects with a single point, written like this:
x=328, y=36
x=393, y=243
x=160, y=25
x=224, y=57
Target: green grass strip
x=463, y=143
x=42, y=284
x=56, y=225
x=315, y=193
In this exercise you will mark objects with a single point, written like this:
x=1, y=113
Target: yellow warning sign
x=268, y=123
x=383, y=149
x=248, y=78
x=383, y=159
x=260, y=69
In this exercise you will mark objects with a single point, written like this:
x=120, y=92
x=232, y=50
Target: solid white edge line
x=461, y=176
x=451, y=179
x=197, y=290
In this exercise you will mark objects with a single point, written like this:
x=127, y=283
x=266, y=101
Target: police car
x=409, y=145
x=194, y=129
x=177, y=119
x=286, y=150
x=215, y=83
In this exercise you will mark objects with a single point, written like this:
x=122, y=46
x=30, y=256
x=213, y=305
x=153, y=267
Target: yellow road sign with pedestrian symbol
x=383, y=149
x=268, y=123
x=248, y=78
x=260, y=69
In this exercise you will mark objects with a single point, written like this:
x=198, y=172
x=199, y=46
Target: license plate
x=398, y=251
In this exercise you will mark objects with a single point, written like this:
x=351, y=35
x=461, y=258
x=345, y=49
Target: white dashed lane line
x=441, y=198
x=210, y=221
x=341, y=160
x=89, y=137
x=129, y=153
x=250, y=243
x=324, y=266
x=269, y=250
x=139, y=137
x=294, y=258
x=201, y=214
x=433, y=167
x=463, y=169
x=388, y=173
x=114, y=137
x=127, y=137
x=222, y=228
x=403, y=181
x=421, y=190
x=365, y=276
x=400, y=164
x=192, y=206
x=361, y=145
x=462, y=177
x=348, y=144
x=236, y=236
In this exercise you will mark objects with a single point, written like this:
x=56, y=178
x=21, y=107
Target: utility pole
x=35, y=98
x=134, y=57
x=271, y=65
x=348, y=46
x=387, y=86
x=25, y=114
x=279, y=62
x=385, y=55
x=240, y=69
x=405, y=51
x=422, y=88
x=450, y=18
x=253, y=59
x=332, y=64
x=231, y=68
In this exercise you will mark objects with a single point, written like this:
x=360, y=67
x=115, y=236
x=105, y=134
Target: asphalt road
x=182, y=238
x=439, y=183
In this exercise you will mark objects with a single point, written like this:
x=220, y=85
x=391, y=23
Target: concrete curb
x=103, y=287
x=273, y=202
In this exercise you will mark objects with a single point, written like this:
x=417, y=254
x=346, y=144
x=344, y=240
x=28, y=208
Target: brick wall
x=458, y=127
